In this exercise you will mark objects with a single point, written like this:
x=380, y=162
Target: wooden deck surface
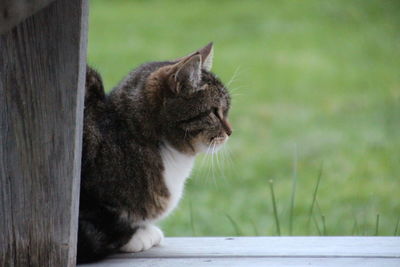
x=265, y=251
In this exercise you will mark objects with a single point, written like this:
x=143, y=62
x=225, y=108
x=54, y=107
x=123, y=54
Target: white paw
x=143, y=239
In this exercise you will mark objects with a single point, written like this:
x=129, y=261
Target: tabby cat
x=139, y=145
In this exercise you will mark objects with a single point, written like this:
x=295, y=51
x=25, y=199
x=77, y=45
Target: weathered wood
x=13, y=12
x=42, y=75
x=275, y=246
x=249, y=262
x=265, y=251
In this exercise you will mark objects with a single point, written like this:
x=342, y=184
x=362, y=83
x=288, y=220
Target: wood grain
x=275, y=246
x=42, y=67
x=13, y=12
x=249, y=262
x=265, y=251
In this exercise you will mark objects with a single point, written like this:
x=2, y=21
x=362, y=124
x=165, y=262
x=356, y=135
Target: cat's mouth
x=214, y=144
x=218, y=140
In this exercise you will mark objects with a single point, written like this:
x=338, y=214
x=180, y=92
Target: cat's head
x=191, y=102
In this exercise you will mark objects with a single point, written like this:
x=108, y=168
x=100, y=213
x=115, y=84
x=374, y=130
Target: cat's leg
x=100, y=233
x=144, y=238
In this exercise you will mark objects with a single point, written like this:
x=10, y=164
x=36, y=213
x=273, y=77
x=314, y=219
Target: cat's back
x=115, y=153
x=94, y=90
x=93, y=113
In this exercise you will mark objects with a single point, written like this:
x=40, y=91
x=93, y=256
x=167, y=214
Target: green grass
x=312, y=82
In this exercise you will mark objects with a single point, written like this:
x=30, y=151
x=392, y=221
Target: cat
x=139, y=146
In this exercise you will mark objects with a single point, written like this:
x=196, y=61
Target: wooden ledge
x=265, y=251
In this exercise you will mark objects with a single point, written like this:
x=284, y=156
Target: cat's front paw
x=144, y=238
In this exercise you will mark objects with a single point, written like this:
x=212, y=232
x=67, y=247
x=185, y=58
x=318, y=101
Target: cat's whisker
x=217, y=171
x=203, y=165
x=228, y=155
x=224, y=154
x=217, y=158
x=204, y=159
x=207, y=159
x=217, y=163
x=212, y=160
x=212, y=165
x=221, y=163
x=234, y=90
x=233, y=78
x=236, y=95
x=228, y=158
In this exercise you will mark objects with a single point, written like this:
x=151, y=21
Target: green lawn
x=316, y=88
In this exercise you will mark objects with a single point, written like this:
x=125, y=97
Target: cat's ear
x=207, y=54
x=186, y=74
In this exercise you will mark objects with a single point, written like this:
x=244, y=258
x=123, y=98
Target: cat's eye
x=197, y=117
x=218, y=113
x=225, y=112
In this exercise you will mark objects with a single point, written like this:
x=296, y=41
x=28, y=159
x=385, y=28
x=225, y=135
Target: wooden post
x=13, y=12
x=42, y=76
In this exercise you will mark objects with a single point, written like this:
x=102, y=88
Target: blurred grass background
x=316, y=88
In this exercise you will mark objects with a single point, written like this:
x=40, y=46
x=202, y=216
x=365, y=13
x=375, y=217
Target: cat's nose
x=228, y=131
x=227, y=127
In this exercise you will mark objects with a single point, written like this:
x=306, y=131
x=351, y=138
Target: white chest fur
x=177, y=168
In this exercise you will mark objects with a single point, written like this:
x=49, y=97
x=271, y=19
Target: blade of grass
x=294, y=185
x=316, y=225
x=364, y=223
x=397, y=226
x=318, y=207
x=192, y=218
x=377, y=225
x=315, y=194
x=255, y=228
x=355, y=230
x=323, y=225
x=323, y=218
x=234, y=225
x=278, y=228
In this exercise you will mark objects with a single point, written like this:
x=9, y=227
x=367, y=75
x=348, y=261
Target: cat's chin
x=211, y=147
